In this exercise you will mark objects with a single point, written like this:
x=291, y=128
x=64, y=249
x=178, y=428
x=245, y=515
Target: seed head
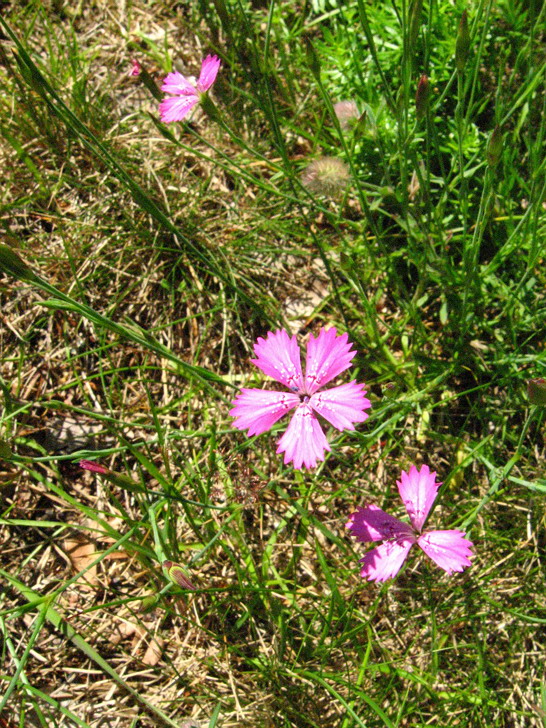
x=326, y=176
x=347, y=114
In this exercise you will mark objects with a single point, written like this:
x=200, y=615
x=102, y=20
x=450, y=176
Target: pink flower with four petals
x=449, y=550
x=186, y=92
x=278, y=356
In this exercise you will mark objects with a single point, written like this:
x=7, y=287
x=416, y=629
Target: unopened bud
x=365, y=126
x=421, y=96
x=13, y=265
x=416, y=11
x=176, y=574
x=462, y=45
x=122, y=481
x=93, y=467
x=390, y=390
x=494, y=147
x=312, y=58
x=536, y=390
x=149, y=602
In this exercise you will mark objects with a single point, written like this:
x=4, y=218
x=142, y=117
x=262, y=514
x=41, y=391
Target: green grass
x=158, y=253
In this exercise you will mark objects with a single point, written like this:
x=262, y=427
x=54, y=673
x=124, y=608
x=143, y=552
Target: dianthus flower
x=449, y=550
x=187, y=92
x=278, y=356
x=136, y=68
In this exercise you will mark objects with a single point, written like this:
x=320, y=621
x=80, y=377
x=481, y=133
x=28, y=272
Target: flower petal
x=327, y=356
x=385, y=561
x=343, y=405
x=175, y=108
x=304, y=442
x=258, y=409
x=418, y=490
x=209, y=71
x=176, y=83
x=371, y=523
x=279, y=357
x=450, y=550
x=136, y=68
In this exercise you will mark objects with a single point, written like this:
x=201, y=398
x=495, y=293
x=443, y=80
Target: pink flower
x=136, y=68
x=449, y=550
x=278, y=356
x=187, y=91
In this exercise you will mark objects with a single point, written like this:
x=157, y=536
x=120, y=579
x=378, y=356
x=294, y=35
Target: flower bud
x=312, y=57
x=536, y=390
x=122, y=481
x=462, y=46
x=149, y=602
x=176, y=574
x=93, y=467
x=421, y=96
x=416, y=11
x=494, y=147
x=390, y=390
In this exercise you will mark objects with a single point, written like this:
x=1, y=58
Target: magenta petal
x=342, y=406
x=304, y=442
x=385, y=560
x=278, y=356
x=176, y=83
x=418, y=490
x=136, y=68
x=176, y=108
x=209, y=71
x=327, y=356
x=258, y=409
x=450, y=550
x=373, y=524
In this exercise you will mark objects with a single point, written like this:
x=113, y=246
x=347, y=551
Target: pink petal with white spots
x=258, y=409
x=327, y=356
x=450, y=550
x=278, y=356
x=209, y=71
x=304, y=442
x=371, y=523
x=176, y=83
x=176, y=108
x=385, y=561
x=342, y=406
x=418, y=490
